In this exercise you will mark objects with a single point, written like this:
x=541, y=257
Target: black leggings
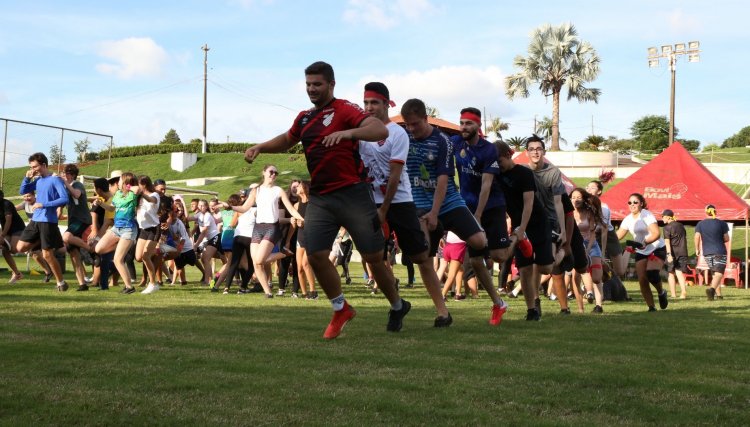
x=240, y=247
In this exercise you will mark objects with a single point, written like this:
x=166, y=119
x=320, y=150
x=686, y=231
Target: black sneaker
x=396, y=318
x=651, y=308
x=443, y=322
x=719, y=297
x=711, y=293
x=62, y=287
x=130, y=290
x=663, y=301
x=243, y=291
x=269, y=296
x=565, y=311
x=47, y=277
x=82, y=288
x=590, y=297
x=214, y=289
x=532, y=314
x=598, y=309
x=348, y=281
x=538, y=306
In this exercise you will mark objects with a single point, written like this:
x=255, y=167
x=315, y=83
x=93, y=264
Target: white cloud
x=132, y=57
x=449, y=89
x=385, y=14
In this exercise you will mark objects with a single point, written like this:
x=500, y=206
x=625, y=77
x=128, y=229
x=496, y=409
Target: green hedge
x=144, y=150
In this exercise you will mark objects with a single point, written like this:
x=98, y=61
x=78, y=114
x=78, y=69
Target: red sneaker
x=339, y=320
x=497, y=313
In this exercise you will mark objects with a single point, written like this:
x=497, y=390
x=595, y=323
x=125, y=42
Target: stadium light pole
x=672, y=52
x=205, y=92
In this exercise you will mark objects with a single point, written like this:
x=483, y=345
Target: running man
x=712, y=241
x=79, y=220
x=42, y=230
x=385, y=161
x=430, y=168
x=330, y=133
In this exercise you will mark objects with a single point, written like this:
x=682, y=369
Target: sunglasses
x=273, y=172
x=630, y=202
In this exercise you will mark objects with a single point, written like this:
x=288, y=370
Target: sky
x=134, y=69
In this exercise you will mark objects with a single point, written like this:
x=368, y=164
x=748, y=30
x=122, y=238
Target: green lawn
x=184, y=356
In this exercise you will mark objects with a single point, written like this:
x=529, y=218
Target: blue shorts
x=127, y=233
x=595, y=250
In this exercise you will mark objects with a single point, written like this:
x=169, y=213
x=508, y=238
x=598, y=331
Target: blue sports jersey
x=471, y=162
x=429, y=158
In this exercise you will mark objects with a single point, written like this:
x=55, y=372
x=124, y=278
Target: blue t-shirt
x=712, y=232
x=50, y=192
x=125, y=205
x=472, y=161
x=429, y=158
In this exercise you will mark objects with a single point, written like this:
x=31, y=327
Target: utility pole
x=205, y=92
x=692, y=50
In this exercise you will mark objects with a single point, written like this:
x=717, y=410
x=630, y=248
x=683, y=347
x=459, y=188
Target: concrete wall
x=182, y=161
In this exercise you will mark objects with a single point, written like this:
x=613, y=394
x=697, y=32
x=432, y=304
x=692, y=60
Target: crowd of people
x=375, y=186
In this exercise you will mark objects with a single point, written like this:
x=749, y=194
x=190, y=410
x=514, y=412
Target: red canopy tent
x=444, y=125
x=676, y=180
x=523, y=159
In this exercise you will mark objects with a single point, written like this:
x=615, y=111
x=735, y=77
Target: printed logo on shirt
x=327, y=119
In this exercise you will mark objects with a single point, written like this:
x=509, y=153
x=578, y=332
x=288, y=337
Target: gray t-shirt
x=78, y=209
x=548, y=185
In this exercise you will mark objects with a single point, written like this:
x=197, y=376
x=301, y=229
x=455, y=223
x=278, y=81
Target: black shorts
x=660, y=253
x=151, y=233
x=215, y=242
x=679, y=263
x=46, y=233
x=185, y=258
x=716, y=263
x=460, y=221
x=578, y=258
x=350, y=207
x=403, y=220
x=540, y=237
x=77, y=228
x=496, y=228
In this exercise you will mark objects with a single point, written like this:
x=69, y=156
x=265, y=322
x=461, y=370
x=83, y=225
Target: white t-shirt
x=245, y=224
x=377, y=157
x=180, y=232
x=147, y=212
x=638, y=227
x=207, y=220
x=453, y=238
x=267, y=200
x=607, y=217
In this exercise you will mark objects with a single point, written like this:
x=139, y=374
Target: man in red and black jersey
x=330, y=133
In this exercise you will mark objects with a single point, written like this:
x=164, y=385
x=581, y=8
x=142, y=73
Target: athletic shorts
x=496, y=228
x=46, y=233
x=215, y=242
x=541, y=240
x=578, y=258
x=151, y=233
x=679, y=263
x=716, y=263
x=660, y=253
x=350, y=207
x=77, y=228
x=454, y=252
x=460, y=221
x=403, y=220
x=127, y=233
x=266, y=231
x=185, y=258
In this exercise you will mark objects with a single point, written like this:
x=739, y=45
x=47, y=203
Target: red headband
x=471, y=116
x=373, y=94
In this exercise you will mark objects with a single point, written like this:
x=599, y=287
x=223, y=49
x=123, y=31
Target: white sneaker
x=553, y=297
x=280, y=293
x=150, y=289
x=15, y=277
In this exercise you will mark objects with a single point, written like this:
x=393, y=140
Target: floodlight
x=694, y=57
x=666, y=49
x=652, y=51
x=653, y=63
x=679, y=47
x=694, y=45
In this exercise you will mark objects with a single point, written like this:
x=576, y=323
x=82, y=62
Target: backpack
x=614, y=290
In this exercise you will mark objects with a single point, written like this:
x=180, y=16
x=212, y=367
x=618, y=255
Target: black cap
x=101, y=184
x=667, y=212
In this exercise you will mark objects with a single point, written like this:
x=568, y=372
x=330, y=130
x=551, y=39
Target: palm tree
x=516, y=142
x=557, y=57
x=496, y=125
x=432, y=112
x=544, y=129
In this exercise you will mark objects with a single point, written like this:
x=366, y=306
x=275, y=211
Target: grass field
x=184, y=356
